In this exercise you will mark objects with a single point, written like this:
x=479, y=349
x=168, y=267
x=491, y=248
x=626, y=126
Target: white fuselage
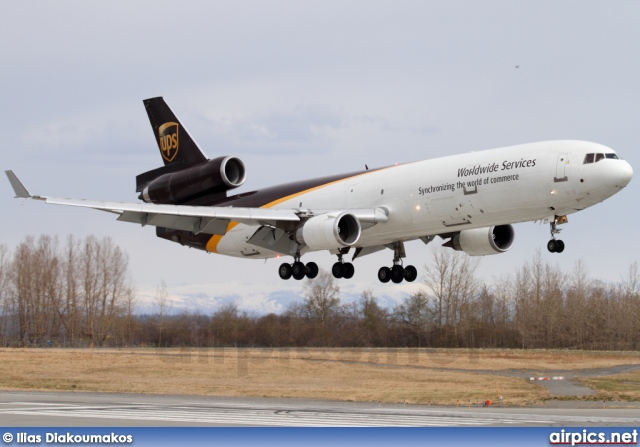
x=449, y=194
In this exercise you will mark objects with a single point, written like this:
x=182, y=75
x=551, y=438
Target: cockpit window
x=594, y=158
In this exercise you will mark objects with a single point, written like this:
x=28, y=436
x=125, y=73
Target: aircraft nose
x=627, y=174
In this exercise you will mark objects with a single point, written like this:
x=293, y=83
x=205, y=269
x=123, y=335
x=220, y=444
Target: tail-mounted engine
x=483, y=241
x=329, y=231
x=214, y=176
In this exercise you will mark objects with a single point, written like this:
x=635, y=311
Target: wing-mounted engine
x=329, y=231
x=483, y=241
x=171, y=185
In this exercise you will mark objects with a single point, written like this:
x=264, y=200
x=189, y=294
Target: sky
x=305, y=89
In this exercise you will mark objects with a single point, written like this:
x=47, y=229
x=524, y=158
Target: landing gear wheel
x=297, y=270
x=312, y=270
x=410, y=273
x=348, y=270
x=384, y=274
x=336, y=270
x=285, y=271
x=555, y=246
x=397, y=274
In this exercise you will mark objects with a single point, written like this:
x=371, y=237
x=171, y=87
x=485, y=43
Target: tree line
x=77, y=293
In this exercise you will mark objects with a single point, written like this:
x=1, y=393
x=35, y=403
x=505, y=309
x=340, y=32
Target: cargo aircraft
x=470, y=200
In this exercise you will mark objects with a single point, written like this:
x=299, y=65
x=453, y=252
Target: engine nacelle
x=484, y=241
x=329, y=231
x=217, y=175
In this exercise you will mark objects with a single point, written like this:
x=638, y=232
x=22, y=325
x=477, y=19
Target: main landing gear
x=342, y=269
x=555, y=245
x=398, y=273
x=298, y=269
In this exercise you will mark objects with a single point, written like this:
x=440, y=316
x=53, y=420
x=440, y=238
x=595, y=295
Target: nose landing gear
x=556, y=245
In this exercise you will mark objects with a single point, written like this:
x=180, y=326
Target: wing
x=197, y=219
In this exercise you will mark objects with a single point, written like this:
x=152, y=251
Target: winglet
x=18, y=187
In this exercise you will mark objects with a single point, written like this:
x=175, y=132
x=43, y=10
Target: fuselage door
x=450, y=211
x=561, y=168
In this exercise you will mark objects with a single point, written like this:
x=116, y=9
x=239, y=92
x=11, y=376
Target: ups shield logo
x=168, y=134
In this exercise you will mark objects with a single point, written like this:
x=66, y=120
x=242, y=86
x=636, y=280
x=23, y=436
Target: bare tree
x=374, y=318
x=5, y=310
x=576, y=308
x=321, y=297
x=631, y=282
x=628, y=298
x=70, y=309
x=161, y=300
x=539, y=303
x=104, y=287
x=129, y=321
x=36, y=289
x=452, y=282
x=493, y=312
x=229, y=327
x=416, y=314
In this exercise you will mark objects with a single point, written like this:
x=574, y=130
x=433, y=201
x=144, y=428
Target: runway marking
x=238, y=414
x=30, y=403
x=263, y=417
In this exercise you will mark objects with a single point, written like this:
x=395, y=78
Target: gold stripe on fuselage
x=212, y=245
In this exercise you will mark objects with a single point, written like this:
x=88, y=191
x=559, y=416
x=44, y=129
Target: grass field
x=450, y=377
x=619, y=387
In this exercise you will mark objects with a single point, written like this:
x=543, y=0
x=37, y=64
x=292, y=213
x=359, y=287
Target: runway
x=99, y=410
